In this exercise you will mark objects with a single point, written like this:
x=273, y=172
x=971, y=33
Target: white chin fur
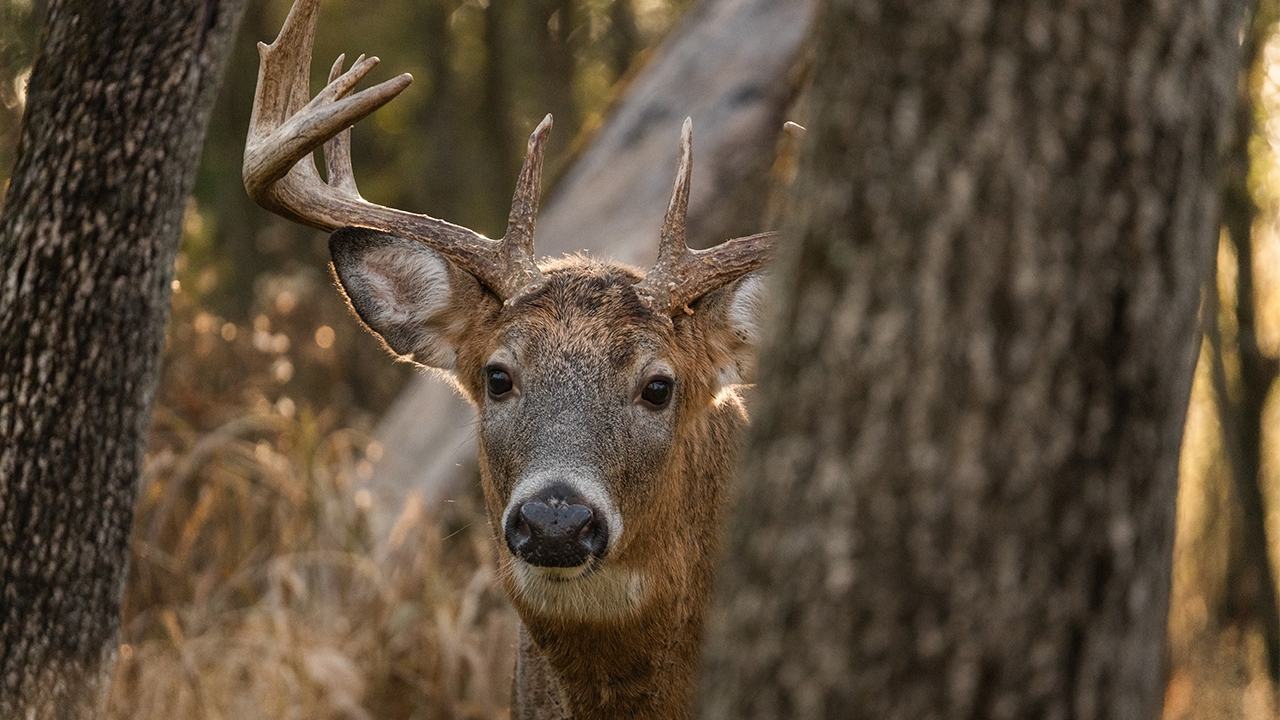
x=579, y=593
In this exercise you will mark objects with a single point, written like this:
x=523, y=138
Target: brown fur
x=579, y=346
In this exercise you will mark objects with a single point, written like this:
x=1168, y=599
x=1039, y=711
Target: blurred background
x=257, y=588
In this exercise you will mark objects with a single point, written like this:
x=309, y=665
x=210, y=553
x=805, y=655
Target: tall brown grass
x=256, y=589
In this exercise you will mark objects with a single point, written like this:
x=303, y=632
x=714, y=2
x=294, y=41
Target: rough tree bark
x=116, y=113
x=730, y=66
x=958, y=499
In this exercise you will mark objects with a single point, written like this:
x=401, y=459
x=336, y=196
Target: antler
x=280, y=173
x=682, y=275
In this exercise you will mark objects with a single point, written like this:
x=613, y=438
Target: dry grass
x=255, y=589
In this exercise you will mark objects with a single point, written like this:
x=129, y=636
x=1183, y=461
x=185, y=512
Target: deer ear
x=418, y=302
x=730, y=318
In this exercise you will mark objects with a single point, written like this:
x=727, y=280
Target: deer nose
x=555, y=529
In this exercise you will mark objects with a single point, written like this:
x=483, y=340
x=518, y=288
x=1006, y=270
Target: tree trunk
x=958, y=497
x=730, y=66
x=117, y=107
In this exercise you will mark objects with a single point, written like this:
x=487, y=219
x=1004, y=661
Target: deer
x=609, y=401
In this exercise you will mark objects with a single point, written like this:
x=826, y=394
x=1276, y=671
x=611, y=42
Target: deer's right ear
x=417, y=301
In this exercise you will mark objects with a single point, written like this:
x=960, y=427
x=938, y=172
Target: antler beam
x=280, y=173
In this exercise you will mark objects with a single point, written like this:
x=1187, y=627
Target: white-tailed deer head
x=608, y=417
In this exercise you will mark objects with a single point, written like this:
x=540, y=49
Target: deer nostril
x=521, y=529
x=555, y=534
x=563, y=520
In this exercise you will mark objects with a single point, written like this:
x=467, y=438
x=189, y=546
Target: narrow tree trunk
x=501, y=162
x=115, y=117
x=958, y=499
x=553, y=22
x=622, y=19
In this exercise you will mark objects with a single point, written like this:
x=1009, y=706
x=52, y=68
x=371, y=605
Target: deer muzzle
x=556, y=528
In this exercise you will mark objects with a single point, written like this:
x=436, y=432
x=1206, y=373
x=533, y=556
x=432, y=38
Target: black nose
x=556, y=528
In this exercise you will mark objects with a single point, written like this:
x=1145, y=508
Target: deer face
x=597, y=387
x=590, y=407
x=601, y=392
x=571, y=449
x=572, y=433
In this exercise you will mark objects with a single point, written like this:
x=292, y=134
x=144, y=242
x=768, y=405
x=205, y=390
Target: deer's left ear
x=729, y=318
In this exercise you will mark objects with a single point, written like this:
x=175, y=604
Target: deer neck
x=642, y=668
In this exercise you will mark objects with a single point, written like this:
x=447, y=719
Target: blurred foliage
x=20, y=23
x=1224, y=640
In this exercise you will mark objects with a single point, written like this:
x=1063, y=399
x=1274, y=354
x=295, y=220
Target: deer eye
x=657, y=392
x=498, y=380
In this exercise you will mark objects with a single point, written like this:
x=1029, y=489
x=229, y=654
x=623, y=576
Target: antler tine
x=337, y=151
x=681, y=275
x=280, y=173
x=517, y=243
x=274, y=93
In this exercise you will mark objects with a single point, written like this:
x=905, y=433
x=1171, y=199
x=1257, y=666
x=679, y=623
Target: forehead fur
x=585, y=313
x=579, y=288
